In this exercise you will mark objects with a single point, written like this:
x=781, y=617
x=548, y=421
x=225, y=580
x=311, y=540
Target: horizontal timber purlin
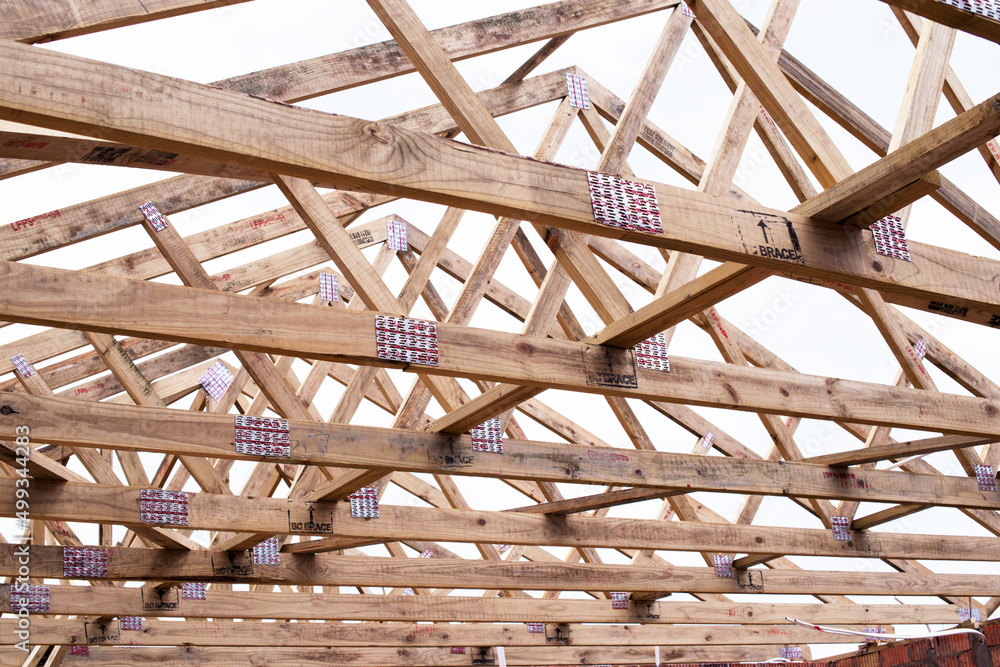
x=67, y=422
x=276, y=515
x=371, y=156
x=220, y=633
x=37, y=295
x=79, y=222
x=313, y=606
x=412, y=657
x=401, y=523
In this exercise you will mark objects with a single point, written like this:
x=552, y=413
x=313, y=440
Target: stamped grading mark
x=774, y=238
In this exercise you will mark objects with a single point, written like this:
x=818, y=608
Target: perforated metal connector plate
x=790, y=653
x=364, y=503
x=260, y=436
x=536, y=628
x=841, y=528
x=79, y=649
x=872, y=634
x=723, y=566
x=458, y=650
x=406, y=340
x=194, y=590
x=487, y=437
x=132, y=623
x=890, y=238
x=986, y=478
x=686, y=10
x=152, y=214
x=624, y=204
x=328, y=288
x=652, y=353
x=987, y=8
x=395, y=231
x=35, y=599
x=266, y=553
x=619, y=600
x=707, y=440
x=216, y=380
x=576, y=90
x=920, y=349
x=428, y=553
x=21, y=365
x=163, y=507
x=967, y=614
x=85, y=562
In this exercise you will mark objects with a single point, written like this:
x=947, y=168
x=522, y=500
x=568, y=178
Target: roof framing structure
x=423, y=406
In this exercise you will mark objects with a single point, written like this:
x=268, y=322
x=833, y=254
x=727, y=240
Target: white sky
x=856, y=45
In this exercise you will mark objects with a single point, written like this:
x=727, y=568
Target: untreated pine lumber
x=221, y=633
x=975, y=20
x=33, y=22
x=331, y=73
x=37, y=295
x=414, y=657
x=90, y=601
x=65, y=501
x=897, y=450
x=76, y=423
x=326, y=74
x=209, y=131
x=334, y=570
x=72, y=224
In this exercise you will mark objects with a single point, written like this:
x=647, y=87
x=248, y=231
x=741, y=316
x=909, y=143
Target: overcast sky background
x=856, y=45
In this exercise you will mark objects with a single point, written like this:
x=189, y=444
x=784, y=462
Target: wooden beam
x=415, y=657
x=218, y=512
x=221, y=633
x=907, y=164
x=211, y=131
x=80, y=600
x=967, y=20
x=37, y=296
x=47, y=21
x=897, y=450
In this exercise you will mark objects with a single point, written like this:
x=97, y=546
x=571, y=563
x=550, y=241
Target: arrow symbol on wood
x=763, y=228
